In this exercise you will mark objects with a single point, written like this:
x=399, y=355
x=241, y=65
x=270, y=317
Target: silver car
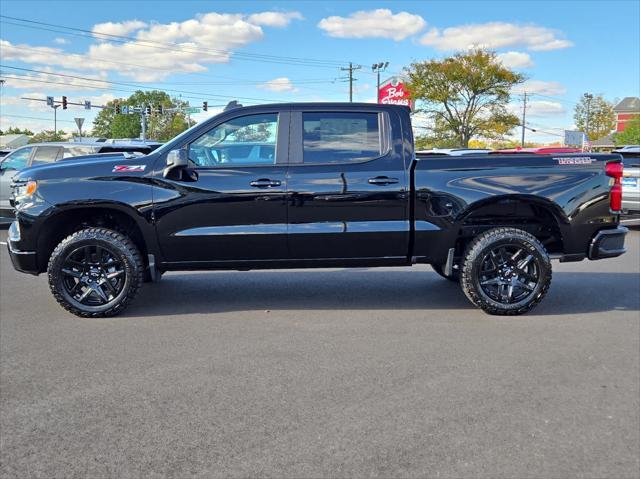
x=42, y=153
x=630, y=180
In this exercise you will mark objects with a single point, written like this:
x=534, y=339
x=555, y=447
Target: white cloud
x=515, y=60
x=117, y=28
x=279, y=84
x=541, y=87
x=206, y=39
x=380, y=23
x=539, y=108
x=274, y=19
x=60, y=41
x=545, y=108
x=494, y=35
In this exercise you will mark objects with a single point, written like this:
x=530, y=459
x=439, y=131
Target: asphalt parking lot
x=324, y=373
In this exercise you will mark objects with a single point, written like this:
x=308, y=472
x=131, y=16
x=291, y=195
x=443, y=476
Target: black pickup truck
x=312, y=185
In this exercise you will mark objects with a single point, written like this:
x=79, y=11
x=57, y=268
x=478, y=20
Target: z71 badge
x=575, y=160
x=128, y=168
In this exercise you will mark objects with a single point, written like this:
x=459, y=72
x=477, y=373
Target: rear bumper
x=608, y=243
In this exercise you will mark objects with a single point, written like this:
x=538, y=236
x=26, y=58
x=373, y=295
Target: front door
x=348, y=187
x=232, y=205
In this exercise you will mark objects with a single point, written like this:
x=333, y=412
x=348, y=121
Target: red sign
x=393, y=91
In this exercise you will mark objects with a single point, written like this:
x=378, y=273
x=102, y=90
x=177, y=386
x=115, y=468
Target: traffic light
x=159, y=109
x=118, y=108
x=148, y=109
x=64, y=102
x=205, y=105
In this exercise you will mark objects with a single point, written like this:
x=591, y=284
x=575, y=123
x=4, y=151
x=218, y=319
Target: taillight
x=614, y=170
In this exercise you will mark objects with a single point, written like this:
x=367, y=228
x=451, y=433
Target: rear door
x=348, y=186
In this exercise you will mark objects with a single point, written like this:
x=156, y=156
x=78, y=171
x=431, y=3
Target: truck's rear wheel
x=455, y=275
x=95, y=272
x=506, y=271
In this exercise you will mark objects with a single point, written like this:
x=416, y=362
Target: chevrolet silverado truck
x=306, y=186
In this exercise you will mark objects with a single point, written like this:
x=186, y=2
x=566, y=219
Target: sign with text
x=393, y=91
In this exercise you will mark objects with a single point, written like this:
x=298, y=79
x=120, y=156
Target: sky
x=265, y=51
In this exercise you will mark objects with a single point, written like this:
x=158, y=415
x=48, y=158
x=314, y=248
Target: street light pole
x=55, y=119
x=379, y=67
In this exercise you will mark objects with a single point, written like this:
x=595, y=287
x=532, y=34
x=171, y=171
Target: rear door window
x=341, y=137
x=46, y=154
x=77, y=151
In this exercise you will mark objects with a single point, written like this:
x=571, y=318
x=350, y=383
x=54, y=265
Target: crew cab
x=313, y=185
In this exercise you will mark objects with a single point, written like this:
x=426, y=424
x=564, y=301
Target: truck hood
x=88, y=166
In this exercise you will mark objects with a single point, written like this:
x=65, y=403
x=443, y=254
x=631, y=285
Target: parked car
x=630, y=180
x=344, y=189
x=542, y=150
x=452, y=151
x=43, y=153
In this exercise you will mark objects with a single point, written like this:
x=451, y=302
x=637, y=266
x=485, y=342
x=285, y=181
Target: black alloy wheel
x=508, y=274
x=506, y=271
x=93, y=275
x=95, y=272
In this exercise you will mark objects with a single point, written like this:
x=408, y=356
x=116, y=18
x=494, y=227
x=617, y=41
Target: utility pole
x=143, y=118
x=524, y=116
x=351, y=79
x=379, y=67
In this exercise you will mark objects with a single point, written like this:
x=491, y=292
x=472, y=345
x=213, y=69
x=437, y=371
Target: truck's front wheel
x=506, y=271
x=95, y=272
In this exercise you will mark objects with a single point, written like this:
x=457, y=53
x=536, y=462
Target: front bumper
x=608, y=243
x=23, y=261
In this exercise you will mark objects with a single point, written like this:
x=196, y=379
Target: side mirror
x=176, y=159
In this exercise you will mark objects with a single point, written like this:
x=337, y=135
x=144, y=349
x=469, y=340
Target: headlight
x=25, y=190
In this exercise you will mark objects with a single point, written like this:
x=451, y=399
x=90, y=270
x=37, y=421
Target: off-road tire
x=117, y=243
x=475, y=253
x=455, y=277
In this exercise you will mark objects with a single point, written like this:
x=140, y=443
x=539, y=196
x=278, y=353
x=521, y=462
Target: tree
x=159, y=127
x=467, y=94
x=594, y=116
x=47, y=135
x=12, y=130
x=125, y=126
x=630, y=135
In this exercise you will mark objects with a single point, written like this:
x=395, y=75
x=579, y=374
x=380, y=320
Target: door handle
x=382, y=180
x=265, y=183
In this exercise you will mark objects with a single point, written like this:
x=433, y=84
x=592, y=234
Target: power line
x=76, y=77
x=232, y=81
x=172, y=46
x=35, y=118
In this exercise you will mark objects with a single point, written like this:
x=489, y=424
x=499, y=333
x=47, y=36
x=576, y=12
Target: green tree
x=466, y=94
x=125, y=126
x=47, y=135
x=630, y=135
x=159, y=127
x=594, y=116
x=12, y=130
